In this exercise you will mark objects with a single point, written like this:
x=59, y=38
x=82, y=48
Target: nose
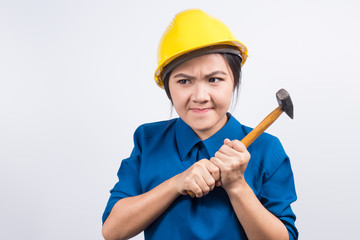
x=200, y=93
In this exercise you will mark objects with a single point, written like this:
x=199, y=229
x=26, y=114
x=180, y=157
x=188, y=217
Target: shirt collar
x=232, y=130
x=186, y=137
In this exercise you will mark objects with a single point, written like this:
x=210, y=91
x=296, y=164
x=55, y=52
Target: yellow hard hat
x=192, y=30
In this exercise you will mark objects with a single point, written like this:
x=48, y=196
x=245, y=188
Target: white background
x=76, y=79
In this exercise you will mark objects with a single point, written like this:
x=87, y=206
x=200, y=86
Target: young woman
x=240, y=193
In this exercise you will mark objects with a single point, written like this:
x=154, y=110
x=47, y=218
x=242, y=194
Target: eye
x=214, y=80
x=183, y=81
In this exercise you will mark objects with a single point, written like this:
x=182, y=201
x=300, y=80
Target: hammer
x=285, y=105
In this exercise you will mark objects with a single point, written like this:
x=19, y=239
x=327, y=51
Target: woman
x=199, y=67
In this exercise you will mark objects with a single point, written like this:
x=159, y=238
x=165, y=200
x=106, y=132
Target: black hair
x=234, y=62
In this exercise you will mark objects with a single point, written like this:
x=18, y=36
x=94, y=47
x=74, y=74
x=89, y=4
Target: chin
x=202, y=126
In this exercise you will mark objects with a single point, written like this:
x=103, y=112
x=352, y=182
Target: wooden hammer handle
x=256, y=132
x=192, y=195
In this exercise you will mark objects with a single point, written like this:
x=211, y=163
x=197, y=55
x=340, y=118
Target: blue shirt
x=164, y=149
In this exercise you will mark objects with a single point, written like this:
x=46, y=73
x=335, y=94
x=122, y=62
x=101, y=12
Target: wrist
x=238, y=189
x=174, y=186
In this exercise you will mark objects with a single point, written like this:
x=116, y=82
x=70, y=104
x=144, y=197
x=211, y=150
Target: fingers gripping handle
x=256, y=132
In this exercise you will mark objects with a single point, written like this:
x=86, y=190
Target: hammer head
x=284, y=100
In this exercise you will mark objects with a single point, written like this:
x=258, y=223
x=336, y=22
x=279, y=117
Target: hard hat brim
x=233, y=47
x=199, y=52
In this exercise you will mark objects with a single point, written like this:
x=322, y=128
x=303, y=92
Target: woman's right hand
x=200, y=178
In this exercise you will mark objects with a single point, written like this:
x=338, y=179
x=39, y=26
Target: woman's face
x=201, y=90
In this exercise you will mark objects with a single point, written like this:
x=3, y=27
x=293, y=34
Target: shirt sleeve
x=279, y=189
x=129, y=183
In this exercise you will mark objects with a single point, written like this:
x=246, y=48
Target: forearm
x=256, y=220
x=132, y=215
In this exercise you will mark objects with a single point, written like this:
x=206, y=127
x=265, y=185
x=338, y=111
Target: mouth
x=200, y=110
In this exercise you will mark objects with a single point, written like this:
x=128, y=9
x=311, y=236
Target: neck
x=207, y=133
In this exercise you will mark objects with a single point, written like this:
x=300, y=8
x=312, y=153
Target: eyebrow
x=183, y=75
x=215, y=73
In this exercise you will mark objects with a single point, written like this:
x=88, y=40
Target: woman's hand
x=232, y=160
x=200, y=178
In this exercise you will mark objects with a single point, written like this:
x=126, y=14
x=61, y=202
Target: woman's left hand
x=232, y=160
